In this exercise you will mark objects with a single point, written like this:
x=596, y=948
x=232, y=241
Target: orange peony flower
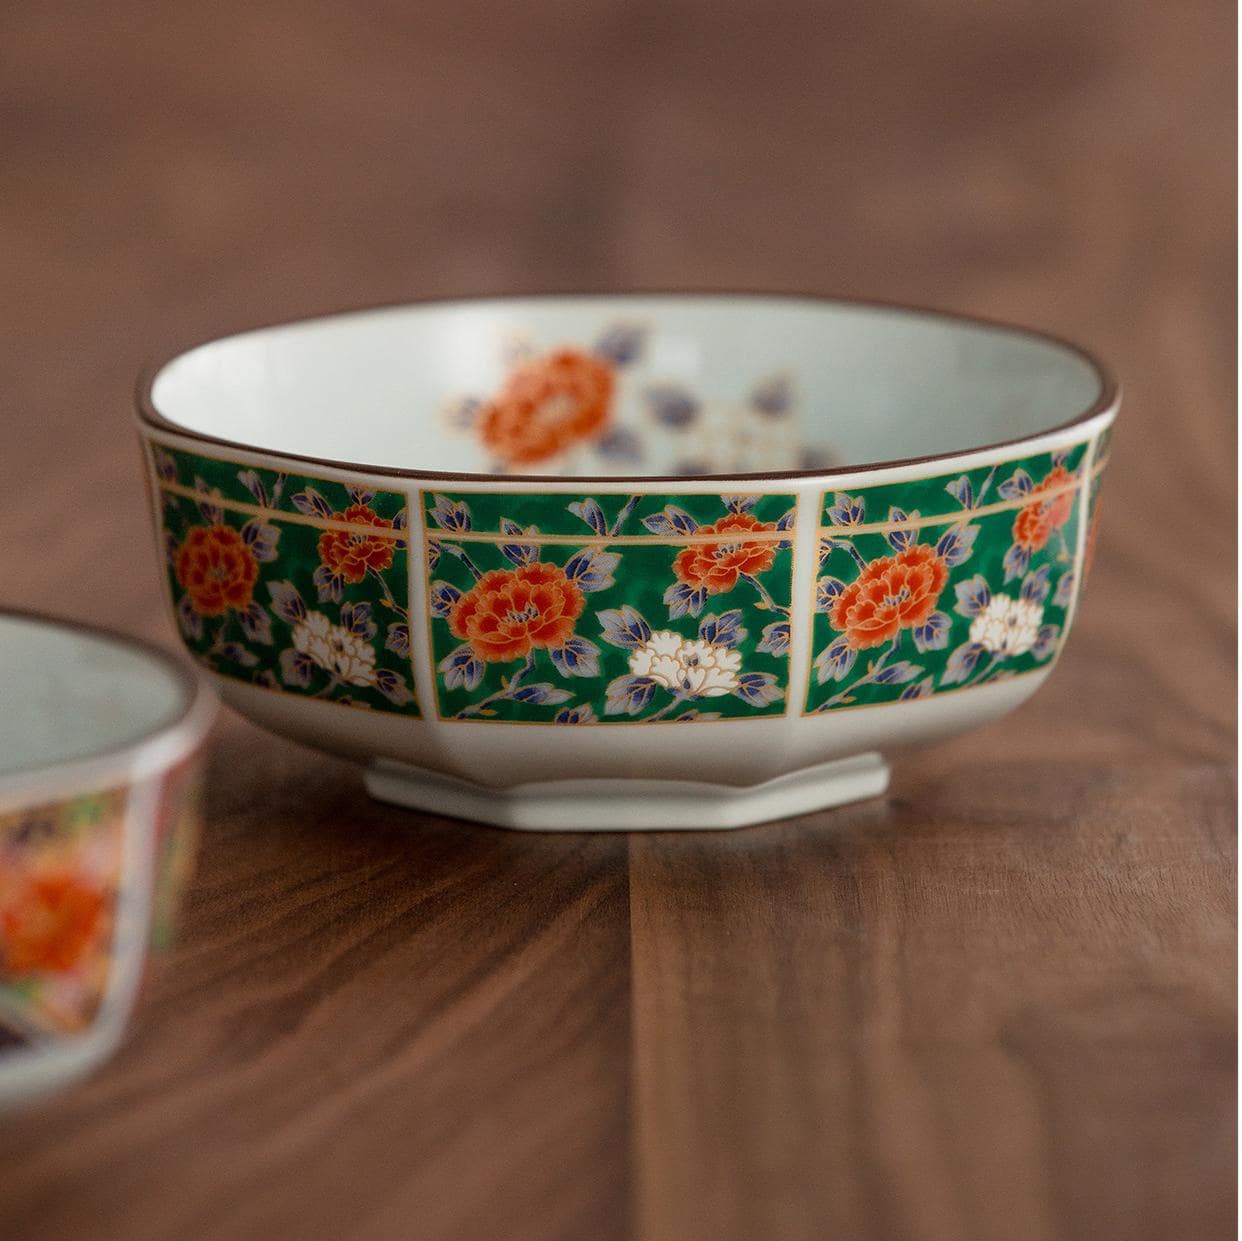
x=216, y=569
x=546, y=404
x=717, y=566
x=50, y=923
x=510, y=612
x=1034, y=525
x=351, y=553
x=892, y=593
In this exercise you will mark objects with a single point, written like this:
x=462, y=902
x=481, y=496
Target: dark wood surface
x=998, y=1004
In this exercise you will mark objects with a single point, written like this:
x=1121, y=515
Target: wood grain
x=1001, y=1002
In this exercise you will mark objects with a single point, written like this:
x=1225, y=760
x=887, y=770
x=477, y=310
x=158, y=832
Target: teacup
x=99, y=738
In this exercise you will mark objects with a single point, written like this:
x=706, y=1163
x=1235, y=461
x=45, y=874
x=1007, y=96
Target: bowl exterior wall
x=724, y=632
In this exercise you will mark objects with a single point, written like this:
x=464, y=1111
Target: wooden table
x=998, y=1004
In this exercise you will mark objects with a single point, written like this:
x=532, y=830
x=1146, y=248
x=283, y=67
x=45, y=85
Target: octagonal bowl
x=99, y=738
x=637, y=561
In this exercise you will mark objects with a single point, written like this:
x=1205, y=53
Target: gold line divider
x=295, y=518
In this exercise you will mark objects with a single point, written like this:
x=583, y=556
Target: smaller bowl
x=99, y=742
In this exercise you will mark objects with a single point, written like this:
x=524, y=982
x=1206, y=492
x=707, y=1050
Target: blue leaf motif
x=208, y=502
x=261, y=539
x=682, y=598
x=775, y=639
x=628, y=695
x=286, y=602
x=461, y=669
x=392, y=686
x=541, y=694
x=449, y=514
x=901, y=539
x=1046, y=642
x=254, y=484
x=188, y=620
x=773, y=397
x=361, y=495
x=786, y=522
x=621, y=343
x=672, y=520
x=165, y=464
x=619, y=444
x=973, y=596
x=1017, y=561
x=441, y=596
x=578, y=657
x=739, y=504
x=962, y=490
x=1065, y=589
x=624, y=626
x=256, y=623
x=758, y=688
x=834, y=662
x=592, y=569
x=581, y=714
x=356, y=617
x=847, y=510
x=933, y=633
x=827, y=589
x=296, y=668
x=961, y=663
x=398, y=640
x=1016, y=487
x=235, y=653
x=518, y=553
x=954, y=546
x=920, y=689
x=1035, y=585
x=590, y=512
x=311, y=503
x=897, y=674
x=329, y=585
x=672, y=406
x=723, y=630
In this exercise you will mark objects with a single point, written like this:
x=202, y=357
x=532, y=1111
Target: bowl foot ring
x=630, y=805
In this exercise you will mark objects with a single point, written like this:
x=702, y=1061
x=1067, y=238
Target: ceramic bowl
x=630, y=561
x=98, y=743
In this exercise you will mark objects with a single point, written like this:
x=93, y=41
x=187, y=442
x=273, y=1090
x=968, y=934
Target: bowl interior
x=628, y=385
x=72, y=693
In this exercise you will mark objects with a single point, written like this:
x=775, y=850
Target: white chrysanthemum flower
x=692, y=667
x=347, y=656
x=1007, y=626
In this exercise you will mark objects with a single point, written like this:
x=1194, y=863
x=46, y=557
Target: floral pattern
x=60, y=875
x=288, y=583
x=554, y=609
x=977, y=587
x=609, y=405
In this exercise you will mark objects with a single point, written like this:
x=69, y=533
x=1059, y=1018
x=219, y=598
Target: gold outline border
x=160, y=486
x=789, y=536
x=152, y=441
x=577, y=540
x=960, y=515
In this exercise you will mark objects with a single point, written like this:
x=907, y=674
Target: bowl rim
x=183, y=731
x=1106, y=399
